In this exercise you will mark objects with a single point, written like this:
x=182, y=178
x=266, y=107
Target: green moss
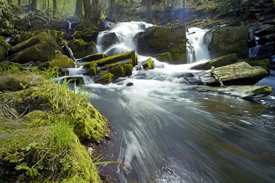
x=94, y=57
x=166, y=56
x=178, y=56
x=157, y=42
x=107, y=76
x=91, y=68
x=118, y=58
x=262, y=63
x=128, y=69
x=148, y=64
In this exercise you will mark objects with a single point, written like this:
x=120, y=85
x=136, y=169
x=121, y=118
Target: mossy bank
x=42, y=125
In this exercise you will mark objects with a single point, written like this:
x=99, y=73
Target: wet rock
x=245, y=92
x=108, y=39
x=264, y=63
x=60, y=62
x=268, y=38
x=80, y=48
x=218, y=62
x=61, y=25
x=23, y=36
x=158, y=40
x=267, y=50
x=91, y=68
x=148, y=64
x=129, y=57
x=166, y=56
x=265, y=31
x=4, y=46
x=78, y=80
x=4, y=23
x=235, y=74
x=106, y=25
x=103, y=77
x=7, y=65
x=42, y=47
x=129, y=84
x=22, y=24
x=227, y=40
x=118, y=69
x=93, y=57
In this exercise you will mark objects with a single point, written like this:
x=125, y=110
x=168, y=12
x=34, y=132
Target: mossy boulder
x=60, y=62
x=15, y=82
x=119, y=58
x=239, y=73
x=169, y=39
x=229, y=40
x=42, y=47
x=22, y=24
x=218, y=62
x=6, y=65
x=4, y=46
x=93, y=57
x=148, y=64
x=246, y=92
x=61, y=25
x=91, y=68
x=23, y=36
x=80, y=48
x=264, y=63
x=166, y=56
x=118, y=69
x=87, y=35
x=103, y=77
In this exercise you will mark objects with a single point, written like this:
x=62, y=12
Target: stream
x=163, y=133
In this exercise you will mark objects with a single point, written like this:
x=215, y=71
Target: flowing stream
x=164, y=133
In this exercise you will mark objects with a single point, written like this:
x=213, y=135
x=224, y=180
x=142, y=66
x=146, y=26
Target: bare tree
x=78, y=8
x=247, y=11
x=19, y=2
x=34, y=4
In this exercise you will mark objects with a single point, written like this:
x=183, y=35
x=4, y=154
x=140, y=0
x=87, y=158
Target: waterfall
x=198, y=50
x=254, y=50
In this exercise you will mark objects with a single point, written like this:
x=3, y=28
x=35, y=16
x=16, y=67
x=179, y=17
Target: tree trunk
x=131, y=1
x=183, y=3
x=19, y=2
x=96, y=13
x=172, y=4
x=111, y=15
x=34, y=4
x=54, y=8
x=87, y=8
x=149, y=9
x=78, y=8
x=143, y=2
x=163, y=3
x=247, y=11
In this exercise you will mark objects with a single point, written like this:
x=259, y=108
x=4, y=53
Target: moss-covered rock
x=94, y=57
x=23, y=36
x=118, y=58
x=246, y=92
x=218, y=62
x=22, y=24
x=103, y=77
x=264, y=63
x=148, y=64
x=80, y=48
x=62, y=25
x=15, y=82
x=4, y=46
x=229, y=40
x=166, y=56
x=6, y=65
x=42, y=47
x=239, y=73
x=60, y=62
x=91, y=68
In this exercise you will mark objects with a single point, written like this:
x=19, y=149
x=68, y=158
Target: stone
x=91, y=68
x=15, y=82
x=80, y=48
x=61, y=25
x=218, y=62
x=268, y=38
x=245, y=92
x=148, y=64
x=60, y=62
x=103, y=77
x=42, y=47
x=166, y=56
x=93, y=57
x=22, y=24
x=239, y=73
x=227, y=40
x=108, y=39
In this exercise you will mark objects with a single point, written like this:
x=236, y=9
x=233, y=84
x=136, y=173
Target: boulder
x=105, y=25
x=264, y=63
x=93, y=57
x=80, y=48
x=148, y=64
x=239, y=73
x=42, y=47
x=103, y=77
x=265, y=31
x=268, y=38
x=7, y=65
x=60, y=62
x=107, y=39
x=267, y=50
x=15, y=82
x=245, y=92
x=166, y=56
x=227, y=40
x=4, y=23
x=118, y=69
x=129, y=57
x=158, y=40
x=4, y=46
x=218, y=62
x=91, y=68
x=22, y=24
x=23, y=36
x=61, y=25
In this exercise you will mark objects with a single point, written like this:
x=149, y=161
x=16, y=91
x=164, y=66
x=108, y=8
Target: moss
x=4, y=46
x=94, y=57
x=78, y=47
x=107, y=76
x=157, y=42
x=218, y=62
x=166, y=56
x=117, y=69
x=148, y=64
x=91, y=68
x=128, y=69
x=262, y=63
x=178, y=56
x=118, y=58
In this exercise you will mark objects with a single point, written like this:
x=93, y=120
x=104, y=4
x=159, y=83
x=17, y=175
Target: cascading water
x=163, y=133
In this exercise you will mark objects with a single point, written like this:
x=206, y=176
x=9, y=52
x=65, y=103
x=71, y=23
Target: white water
x=166, y=134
